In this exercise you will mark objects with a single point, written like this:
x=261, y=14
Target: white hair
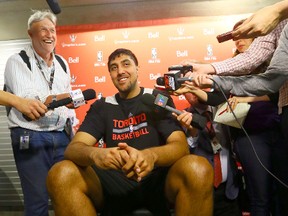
x=41, y=15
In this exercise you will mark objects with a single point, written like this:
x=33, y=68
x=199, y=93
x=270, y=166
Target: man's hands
x=198, y=80
x=134, y=163
x=185, y=119
x=260, y=23
x=31, y=108
x=139, y=163
x=199, y=67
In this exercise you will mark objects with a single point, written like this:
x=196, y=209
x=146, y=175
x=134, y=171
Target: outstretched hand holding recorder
x=228, y=35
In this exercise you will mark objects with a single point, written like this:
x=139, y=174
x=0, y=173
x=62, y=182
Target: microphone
x=88, y=94
x=162, y=100
x=224, y=37
x=76, y=98
x=198, y=121
x=160, y=80
x=228, y=35
x=54, y=6
x=172, y=80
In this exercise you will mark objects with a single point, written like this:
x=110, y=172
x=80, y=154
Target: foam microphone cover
x=54, y=6
x=160, y=81
x=148, y=99
x=89, y=94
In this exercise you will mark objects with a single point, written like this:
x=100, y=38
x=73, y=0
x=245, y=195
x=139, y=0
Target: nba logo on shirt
x=131, y=129
x=100, y=56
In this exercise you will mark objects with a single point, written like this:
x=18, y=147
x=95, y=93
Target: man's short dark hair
x=119, y=52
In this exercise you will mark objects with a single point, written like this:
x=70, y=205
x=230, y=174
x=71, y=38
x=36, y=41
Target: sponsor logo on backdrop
x=209, y=53
x=152, y=35
x=99, y=38
x=98, y=79
x=73, y=78
x=154, y=53
x=72, y=42
x=73, y=38
x=180, y=31
x=72, y=60
x=126, y=35
x=180, y=35
x=183, y=53
x=100, y=59
x=100, y=56
x=73, y=81
x=154, y=76
x=208, y=31
x=154, y=56
x=79, y=86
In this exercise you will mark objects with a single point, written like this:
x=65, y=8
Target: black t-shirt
x=117, y=120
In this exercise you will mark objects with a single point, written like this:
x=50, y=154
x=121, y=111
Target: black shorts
x=122, y=195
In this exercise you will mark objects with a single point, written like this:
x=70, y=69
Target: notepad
x=227, y=118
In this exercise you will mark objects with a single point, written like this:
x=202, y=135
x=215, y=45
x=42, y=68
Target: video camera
x=173, y=79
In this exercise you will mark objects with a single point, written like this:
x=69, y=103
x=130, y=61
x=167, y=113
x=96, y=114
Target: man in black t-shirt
x=145, y=163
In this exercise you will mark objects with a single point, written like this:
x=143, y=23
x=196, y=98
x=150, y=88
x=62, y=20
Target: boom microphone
x=198, y=121
x=54, y=6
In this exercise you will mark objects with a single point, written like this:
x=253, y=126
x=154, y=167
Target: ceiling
x=14, y=13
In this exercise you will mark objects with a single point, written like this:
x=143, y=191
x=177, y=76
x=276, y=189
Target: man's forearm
x=169, y=153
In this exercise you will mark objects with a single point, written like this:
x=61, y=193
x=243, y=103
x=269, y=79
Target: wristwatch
x=54, y=98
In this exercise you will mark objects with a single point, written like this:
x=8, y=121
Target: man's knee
x=195, y=171
x=60, y=174
x=201, y=169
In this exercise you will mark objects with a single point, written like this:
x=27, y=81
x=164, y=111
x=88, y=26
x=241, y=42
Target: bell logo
x=99, y=79
x=208, y=31
x=153, y=35
x=99, y=38
x=154, y=76
x=182, y=53
x=73, y=60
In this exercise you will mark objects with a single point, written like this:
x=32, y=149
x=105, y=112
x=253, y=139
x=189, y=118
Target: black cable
x=245, y=132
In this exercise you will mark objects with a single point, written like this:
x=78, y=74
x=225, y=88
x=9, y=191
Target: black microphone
x=198, y=121
x=54, y=6
x=160, y=80
x=88, y=94
x=171, y=82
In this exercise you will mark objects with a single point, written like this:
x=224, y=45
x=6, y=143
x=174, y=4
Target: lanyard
x=51, y=80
